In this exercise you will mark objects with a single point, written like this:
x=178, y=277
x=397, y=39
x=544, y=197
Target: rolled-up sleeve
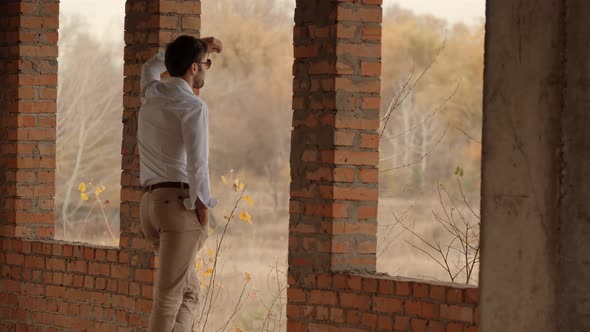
x=195, y=134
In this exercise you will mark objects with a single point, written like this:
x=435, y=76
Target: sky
x=455, y=11
x=102, y=15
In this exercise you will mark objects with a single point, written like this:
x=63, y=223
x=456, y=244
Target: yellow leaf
x=100, y=190
x=208, y=272
x=84, y=196
x=198, y=265
x=224, y=180
x=82, y=187
x=248, y=199
x=211, y=252
x=247, y=277
x=238, y=186
x=246, y=217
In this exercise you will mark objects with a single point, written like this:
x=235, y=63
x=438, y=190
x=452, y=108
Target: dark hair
x=182, y=53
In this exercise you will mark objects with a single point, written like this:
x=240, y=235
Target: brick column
x=149, y=24
x=334, y=146
x=28, y=93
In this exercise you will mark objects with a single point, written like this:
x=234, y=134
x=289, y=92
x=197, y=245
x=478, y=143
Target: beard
x=199, y=80
x=198, y=83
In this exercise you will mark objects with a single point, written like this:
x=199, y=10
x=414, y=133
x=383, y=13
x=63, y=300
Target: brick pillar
x=149, y=24
x=334, y=146
x=28, y=93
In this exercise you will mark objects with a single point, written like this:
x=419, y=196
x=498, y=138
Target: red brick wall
x=357, y=303
x=28, y=81
x=334, y=141
x=76, y=287
x=53, y=285
x=333, y=207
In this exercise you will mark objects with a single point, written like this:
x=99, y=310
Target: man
x=174, y=147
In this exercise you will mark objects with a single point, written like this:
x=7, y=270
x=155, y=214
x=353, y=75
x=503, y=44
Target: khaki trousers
x=177, y=235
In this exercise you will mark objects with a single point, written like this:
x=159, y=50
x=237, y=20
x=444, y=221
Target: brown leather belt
x=180, y=185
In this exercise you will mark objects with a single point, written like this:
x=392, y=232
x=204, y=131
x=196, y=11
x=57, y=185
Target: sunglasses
x=206, y=63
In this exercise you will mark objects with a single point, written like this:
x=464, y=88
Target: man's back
x=160, y=140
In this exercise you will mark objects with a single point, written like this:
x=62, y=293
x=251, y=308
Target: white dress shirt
x=173, y=133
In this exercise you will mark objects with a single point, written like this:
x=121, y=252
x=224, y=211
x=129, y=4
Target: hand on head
x=215, y=45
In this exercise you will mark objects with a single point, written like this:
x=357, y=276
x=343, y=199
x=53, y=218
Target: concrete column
x=535, y=167
x=574, y=252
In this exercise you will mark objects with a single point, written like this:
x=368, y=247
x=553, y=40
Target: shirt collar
x=180, y=83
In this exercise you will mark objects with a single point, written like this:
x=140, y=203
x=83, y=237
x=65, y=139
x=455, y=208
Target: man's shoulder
x=194, y=102
x=197, y=100
x=191, y=106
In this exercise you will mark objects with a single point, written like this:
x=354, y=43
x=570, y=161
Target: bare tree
x=417, y=129
x=459, y=255
x=89, y=131
x=410, y=133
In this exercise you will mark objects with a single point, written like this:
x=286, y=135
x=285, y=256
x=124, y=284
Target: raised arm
x=151, y=71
